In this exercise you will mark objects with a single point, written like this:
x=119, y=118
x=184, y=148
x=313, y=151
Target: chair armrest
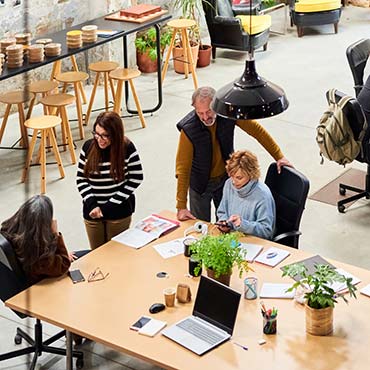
x=227, y=21
x=288, y=234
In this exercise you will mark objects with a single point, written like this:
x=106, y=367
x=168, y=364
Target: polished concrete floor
x=305, y=67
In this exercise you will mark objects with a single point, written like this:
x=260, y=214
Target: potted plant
x=319, y=294
x=146, y=48
x=219, y=254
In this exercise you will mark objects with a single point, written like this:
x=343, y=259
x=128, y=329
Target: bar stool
x=74, y=78
x=43, y=125
x=59, y=102
x=18, y=97
x=104, y=68
x=122, y=75
x=43, y=87
x=182, y=26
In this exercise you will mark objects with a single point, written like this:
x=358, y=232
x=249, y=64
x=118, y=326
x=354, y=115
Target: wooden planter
x=178, y=57
x=319, y=321
x=204, y=56
x=224, y=279
x=144, y=63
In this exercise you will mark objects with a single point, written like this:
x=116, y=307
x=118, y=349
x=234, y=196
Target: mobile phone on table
x=140, y=323
x=76, y=276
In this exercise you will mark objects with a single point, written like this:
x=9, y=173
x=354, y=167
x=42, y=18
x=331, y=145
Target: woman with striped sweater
x=109, y=171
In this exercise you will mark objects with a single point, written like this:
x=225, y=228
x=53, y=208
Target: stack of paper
x=338, y=287
x=252, y=251
x=272, y=256
x=171, y=248
x=272, y=290
x=366, y=290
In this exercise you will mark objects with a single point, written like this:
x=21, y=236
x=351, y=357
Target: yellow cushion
x=260, y=23
x=308, y=6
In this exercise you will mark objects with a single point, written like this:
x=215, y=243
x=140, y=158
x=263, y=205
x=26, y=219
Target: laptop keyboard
x=200, y=331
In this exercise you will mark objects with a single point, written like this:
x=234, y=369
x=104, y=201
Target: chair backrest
x=290, y=190
x=224, y=8
x=357, y=55
x=12, y=278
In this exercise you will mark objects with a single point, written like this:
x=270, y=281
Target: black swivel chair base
x=38, y=347
x=361, y=193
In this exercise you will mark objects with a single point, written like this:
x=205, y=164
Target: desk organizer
x=36, y=53
x=53, y=49
x=14, y=56
x=4, y=43
x=23, y=38
x=74, y=39
x=89, y=34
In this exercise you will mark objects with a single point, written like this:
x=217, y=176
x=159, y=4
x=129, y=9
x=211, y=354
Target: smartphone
x=76, y=276
x=140, y=323
x=224, y=224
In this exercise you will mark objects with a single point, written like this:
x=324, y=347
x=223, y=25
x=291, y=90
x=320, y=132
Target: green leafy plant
x=268, y=3
x=146, y=41
x=319, y=293
x=220, y=253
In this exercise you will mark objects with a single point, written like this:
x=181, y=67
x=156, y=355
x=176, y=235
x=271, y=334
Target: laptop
x=212, y=321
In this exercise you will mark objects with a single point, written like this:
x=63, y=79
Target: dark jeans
x=200, y=204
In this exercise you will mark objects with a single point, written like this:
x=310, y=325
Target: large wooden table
x=104, y=310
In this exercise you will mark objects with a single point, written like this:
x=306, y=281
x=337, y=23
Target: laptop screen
x=217, y=304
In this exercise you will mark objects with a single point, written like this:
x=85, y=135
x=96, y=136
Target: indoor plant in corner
x=146, y=48
x=319, y=294
x=219, y=254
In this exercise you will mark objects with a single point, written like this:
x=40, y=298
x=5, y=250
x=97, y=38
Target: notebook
x=213, y=319
x=252, y=250
x=272, y=257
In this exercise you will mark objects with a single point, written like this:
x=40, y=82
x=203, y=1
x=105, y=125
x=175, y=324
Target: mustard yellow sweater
x=184, y=157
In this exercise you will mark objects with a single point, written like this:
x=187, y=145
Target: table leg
x=69, y=358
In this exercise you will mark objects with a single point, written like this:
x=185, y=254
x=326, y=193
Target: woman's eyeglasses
x=97, y=275
x=100, y=136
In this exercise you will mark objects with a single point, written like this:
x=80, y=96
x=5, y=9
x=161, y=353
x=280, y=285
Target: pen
x=240, y=345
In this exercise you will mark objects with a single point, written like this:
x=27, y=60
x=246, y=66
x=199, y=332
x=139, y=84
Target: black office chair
x=357, y=55
x=13, y=282
x=226, y=31
x=355, y=117
x=245, y=9
x=290, y=190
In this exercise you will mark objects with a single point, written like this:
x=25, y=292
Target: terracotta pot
x=319, y=321
x=224, y=279
x=204, y=56
x=178, y=57
x=145, y=64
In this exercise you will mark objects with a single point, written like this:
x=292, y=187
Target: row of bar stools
x=104, y=68
x=59, y=102
x=17, y=97
x=43, y=125
x=122, y=75
x=43, y=87
x=75, y=78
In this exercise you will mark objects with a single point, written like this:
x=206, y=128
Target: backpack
x=334, y=134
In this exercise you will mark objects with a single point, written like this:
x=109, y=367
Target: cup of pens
x=269, y=319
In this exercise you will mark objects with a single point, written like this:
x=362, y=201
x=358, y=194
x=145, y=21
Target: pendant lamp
x=250, y=96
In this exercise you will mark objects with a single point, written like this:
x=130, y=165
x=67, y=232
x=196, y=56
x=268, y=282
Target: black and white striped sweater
x=115, y=199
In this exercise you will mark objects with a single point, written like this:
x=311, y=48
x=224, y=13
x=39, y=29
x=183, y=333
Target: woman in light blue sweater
x=247, y=204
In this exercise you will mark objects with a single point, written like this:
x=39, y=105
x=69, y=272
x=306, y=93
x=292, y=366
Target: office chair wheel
x=341, y=208
x=80, y=363
x=342, y=191
x=17, y=339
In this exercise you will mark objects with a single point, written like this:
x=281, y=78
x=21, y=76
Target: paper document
x=272, y=256
x=145, y=231
x=252, y=250
x=171, y=248
x=366, y=290
x=272, y=290
x=338, y=287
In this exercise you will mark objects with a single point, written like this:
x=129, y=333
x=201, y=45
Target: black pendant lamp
x=250, y=96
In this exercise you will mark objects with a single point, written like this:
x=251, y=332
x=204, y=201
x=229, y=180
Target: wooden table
x=104, y=310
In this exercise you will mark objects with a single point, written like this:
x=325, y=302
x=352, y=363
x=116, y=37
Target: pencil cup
x=250, y=288
x=187, y=243
x=169, y=296
x=269, y=325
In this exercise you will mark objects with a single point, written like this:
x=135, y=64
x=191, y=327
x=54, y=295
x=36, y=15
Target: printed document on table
x=366, y=290
x=338, y=287
x=252, y=250
x=272, y=256
x=171, y=248
x=275, y=290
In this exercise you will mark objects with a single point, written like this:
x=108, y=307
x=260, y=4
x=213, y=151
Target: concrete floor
x=304, y=67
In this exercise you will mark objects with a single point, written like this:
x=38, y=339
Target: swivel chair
x=13, y=281
x=289, y=190
x=356, y=118
x=357, y=55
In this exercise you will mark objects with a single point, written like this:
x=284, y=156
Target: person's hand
x=223, y=226
x=184, y=214
x=282, y=162
x=72, y=257
x=235, y=219
x=54, y=226
x=96, y=213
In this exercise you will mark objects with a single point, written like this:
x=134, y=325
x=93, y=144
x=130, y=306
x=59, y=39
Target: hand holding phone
x=224, y=226
x=76, y=276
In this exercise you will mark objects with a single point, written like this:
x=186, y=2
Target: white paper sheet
x=171, y=248
x=276, y=290
x=252, y=250
x=272, y=256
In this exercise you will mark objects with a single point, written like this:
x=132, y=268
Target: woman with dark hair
x=38, y=245
x=109, y=171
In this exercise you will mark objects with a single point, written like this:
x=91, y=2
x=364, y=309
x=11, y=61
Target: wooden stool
x=99, y=68
x=122, y=75
x=16, y=97
x=76, y=79
x=59, y=103
x=42, y=87
x=182, y=26
x=44, y=125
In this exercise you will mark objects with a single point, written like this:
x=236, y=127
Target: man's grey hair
x=205, y=92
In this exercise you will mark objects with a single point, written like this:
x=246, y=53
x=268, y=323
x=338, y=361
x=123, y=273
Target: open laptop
x=213, y=319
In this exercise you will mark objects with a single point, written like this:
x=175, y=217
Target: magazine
x=146, y=230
